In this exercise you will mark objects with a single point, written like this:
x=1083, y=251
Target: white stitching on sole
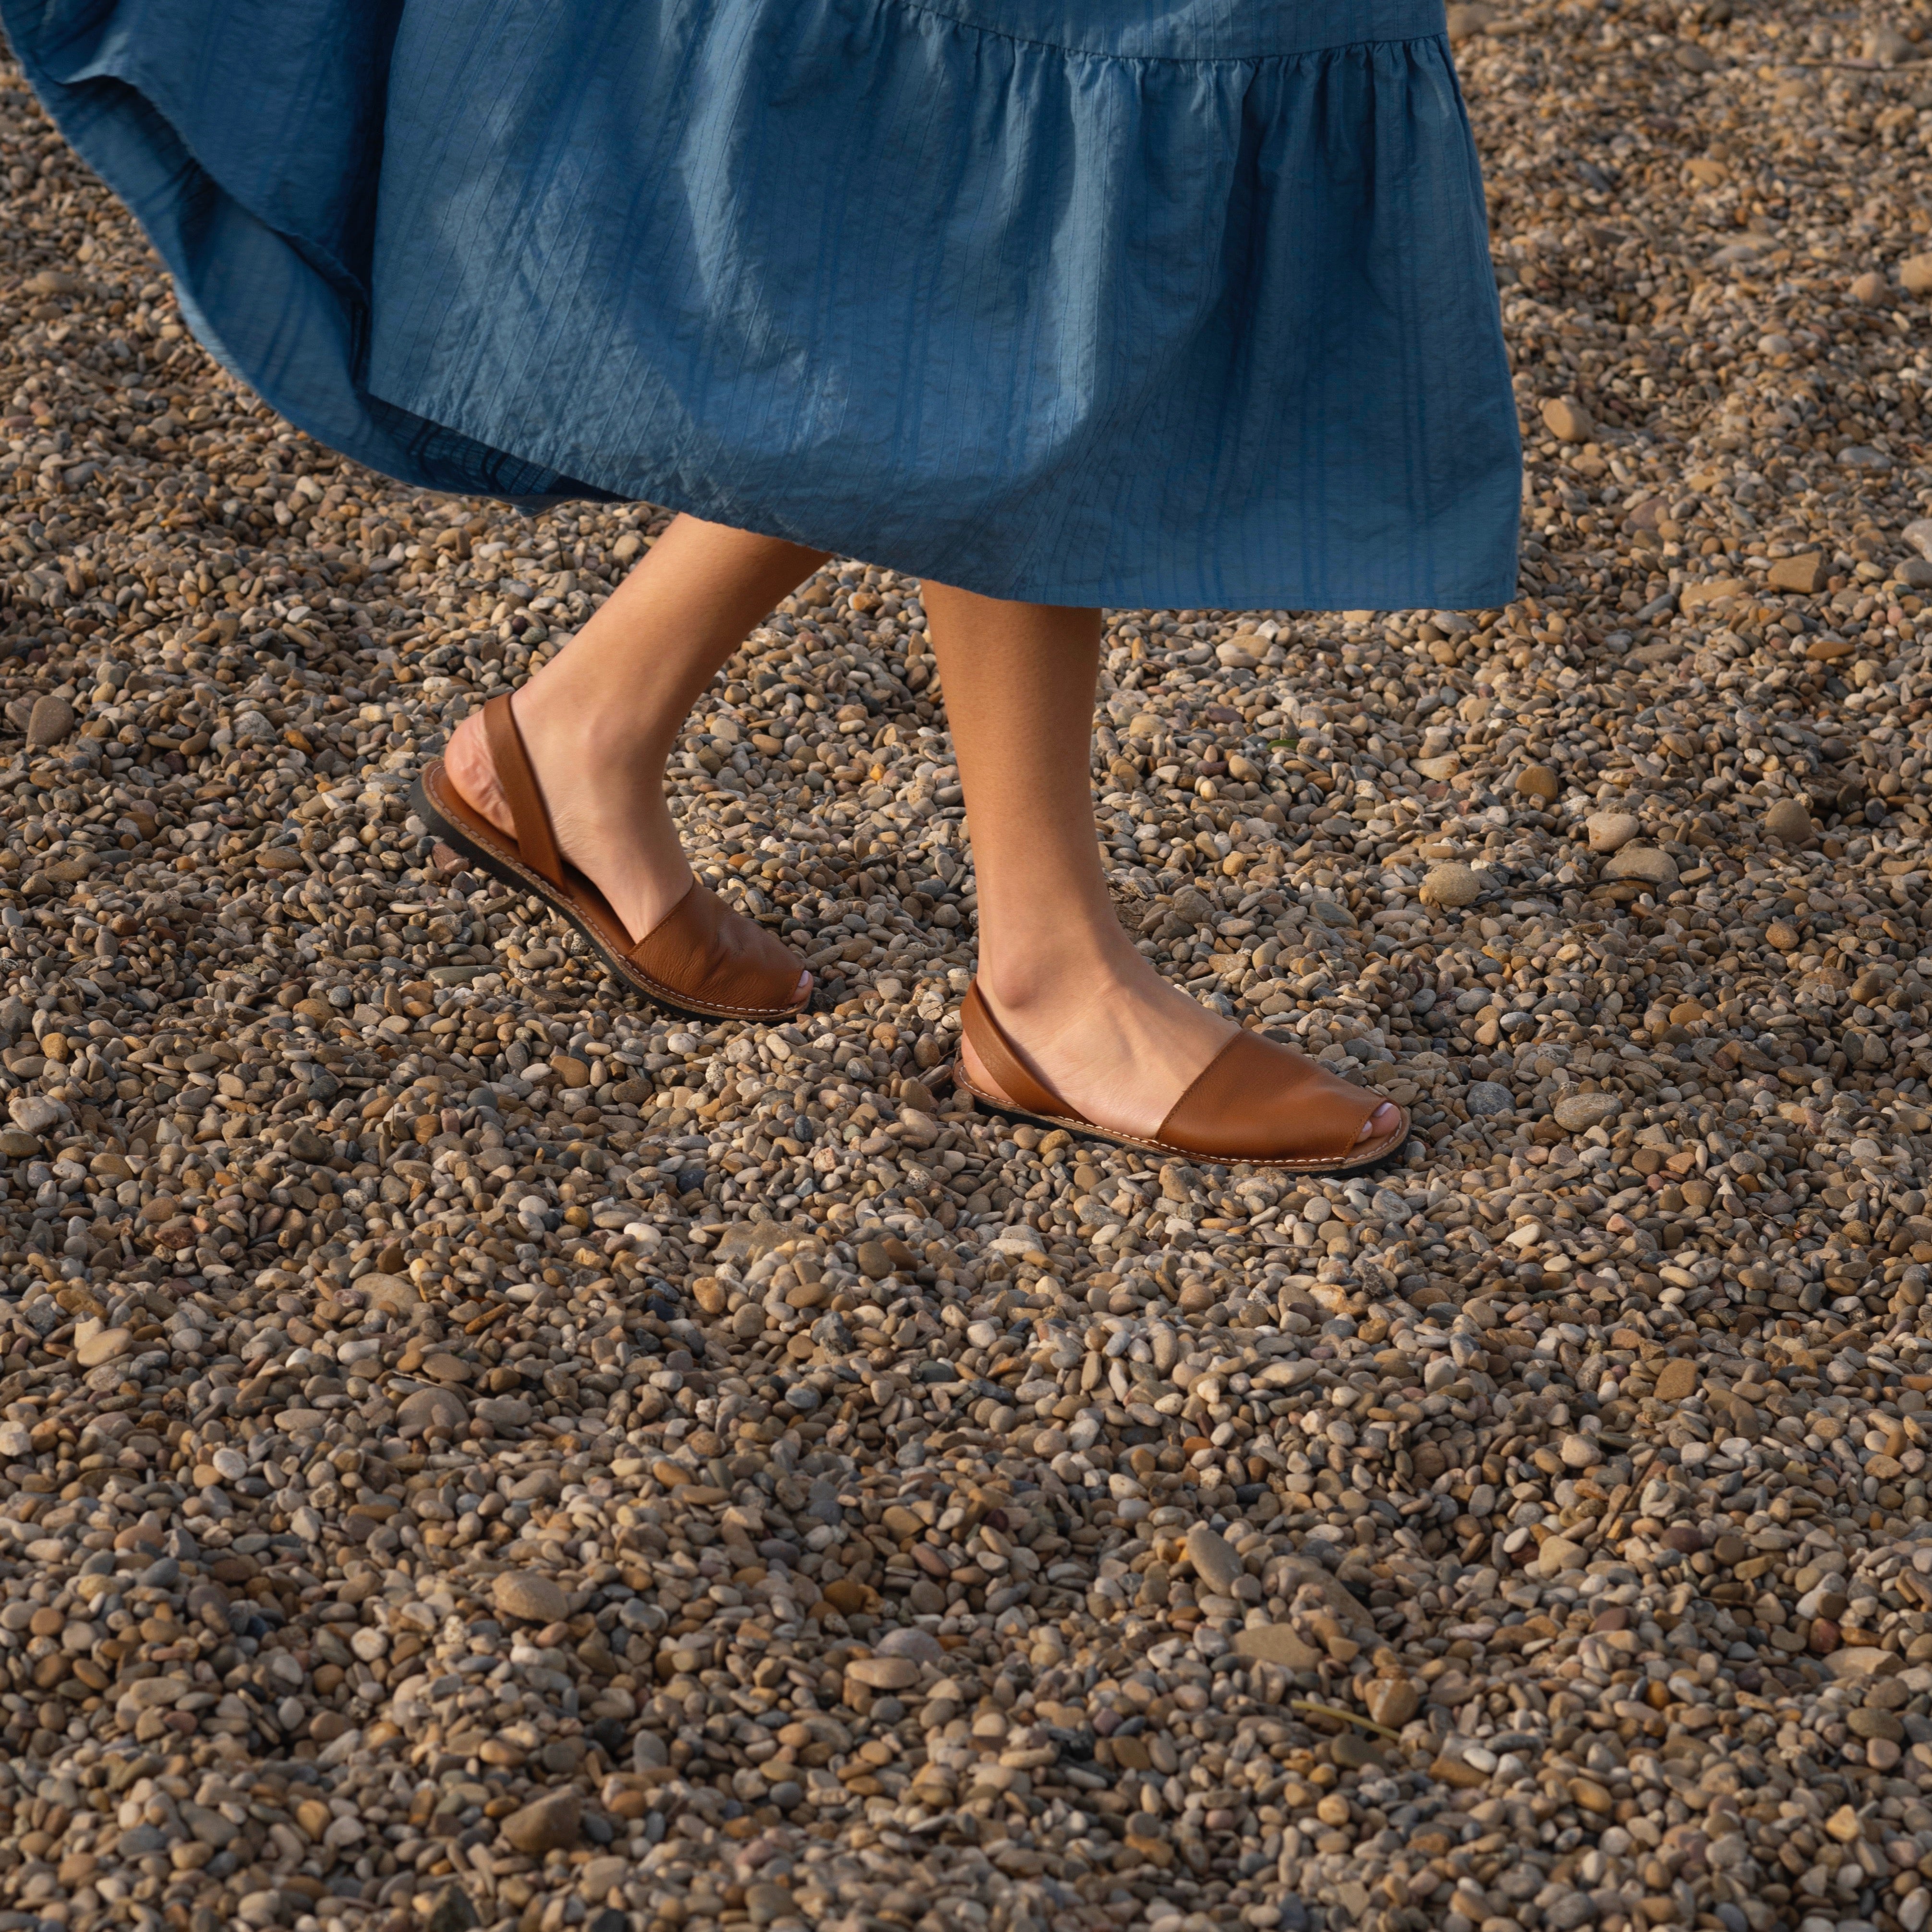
x=1332, y=1163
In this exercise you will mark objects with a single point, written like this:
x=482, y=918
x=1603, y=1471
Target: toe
x=1384, y=1121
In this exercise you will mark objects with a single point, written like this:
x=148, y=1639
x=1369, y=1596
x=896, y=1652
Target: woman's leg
x=1100, y=1026
x=600, y=719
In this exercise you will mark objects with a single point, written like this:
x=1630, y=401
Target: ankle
x=593, y=733
x=1040, y=980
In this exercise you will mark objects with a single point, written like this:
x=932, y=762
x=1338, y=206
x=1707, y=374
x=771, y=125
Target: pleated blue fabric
x=1128, y=302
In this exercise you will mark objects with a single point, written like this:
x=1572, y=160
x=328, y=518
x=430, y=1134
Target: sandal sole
x=501, y=867
x=1380, y=1156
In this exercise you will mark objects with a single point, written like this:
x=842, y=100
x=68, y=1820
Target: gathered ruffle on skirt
x=1130, y=302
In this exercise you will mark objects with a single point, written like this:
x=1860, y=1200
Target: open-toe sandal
x=1256, y=1101
x=702, y=960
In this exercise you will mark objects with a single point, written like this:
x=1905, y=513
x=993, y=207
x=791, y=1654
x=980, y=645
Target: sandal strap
x=1001, y=1059
x=536, y=843
x=1253, y=1094
x=706, y=951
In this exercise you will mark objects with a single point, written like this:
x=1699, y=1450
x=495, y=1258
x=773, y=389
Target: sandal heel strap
x=1001, y=1059
x=536, y=842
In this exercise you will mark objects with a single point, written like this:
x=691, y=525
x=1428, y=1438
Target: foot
x=1121, y=1049
x=606, y=800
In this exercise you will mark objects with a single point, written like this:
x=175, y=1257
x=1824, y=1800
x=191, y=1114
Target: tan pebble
x=1712, y=593
x=1451, y=884
x=1804, y=573
x=1870, y=288
x=1611, y=831
x=1676, y=1379
x=883, y=1673
x=1915, y=275
x=536, y=1599
x=1275, y=1643
x=1846, y=1826
x=1648, y=863
x=1557, y=1555
x=1787, y=820
x=94, y=1345
x=1567, y=421
x=1539, y=781
x=1457, y=1772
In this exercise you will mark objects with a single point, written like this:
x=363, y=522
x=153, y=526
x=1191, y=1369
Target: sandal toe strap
x=1268, y=1103
x=704, y=950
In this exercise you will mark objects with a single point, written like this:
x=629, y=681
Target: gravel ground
x=474, y=1453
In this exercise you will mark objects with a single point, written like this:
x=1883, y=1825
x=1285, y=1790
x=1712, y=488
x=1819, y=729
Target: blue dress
x=1123, y=302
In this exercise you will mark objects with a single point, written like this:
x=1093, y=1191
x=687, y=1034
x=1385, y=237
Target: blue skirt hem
x=1194, y=314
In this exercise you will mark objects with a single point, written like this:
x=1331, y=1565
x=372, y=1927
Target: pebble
x=1451, y=885
x=883, y=1673
x=1915, y=275
x=1611, y=831
x=1577, y=1113
x=535, y=1599
x=1568, y=421
x=1789, y=820
x=1213, y=1559
x=1579, y=1448
x=1646, y=863
x=551, y=1823
x=1278, y=1644
x=50, y=721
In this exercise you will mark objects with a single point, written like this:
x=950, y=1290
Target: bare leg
x=600, y=719
x=1103, y=1028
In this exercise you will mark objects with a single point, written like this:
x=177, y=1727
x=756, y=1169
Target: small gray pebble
x=1487, y=1098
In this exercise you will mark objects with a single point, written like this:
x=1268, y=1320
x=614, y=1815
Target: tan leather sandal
x=1256, y=1101
x=702, y=960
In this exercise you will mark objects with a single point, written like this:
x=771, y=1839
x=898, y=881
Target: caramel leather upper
x=1259, y=1100
x=1255, y=1100
x=711, y=954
